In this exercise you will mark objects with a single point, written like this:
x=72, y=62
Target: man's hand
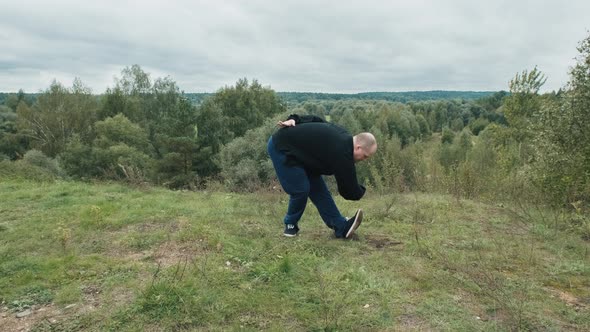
x=288, y=123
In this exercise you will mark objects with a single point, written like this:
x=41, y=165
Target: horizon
x=311, y=92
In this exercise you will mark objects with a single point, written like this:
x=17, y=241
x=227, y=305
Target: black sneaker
x=291, y=230
x=353, y=223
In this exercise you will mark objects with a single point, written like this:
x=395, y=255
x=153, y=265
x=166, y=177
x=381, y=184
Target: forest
x=520, y=143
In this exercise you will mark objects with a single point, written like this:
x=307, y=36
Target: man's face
x=359, y=154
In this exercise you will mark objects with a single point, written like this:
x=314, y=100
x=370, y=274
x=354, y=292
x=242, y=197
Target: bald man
x=305, y=148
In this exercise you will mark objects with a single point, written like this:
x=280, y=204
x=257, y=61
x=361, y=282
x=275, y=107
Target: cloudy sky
x=291, y=45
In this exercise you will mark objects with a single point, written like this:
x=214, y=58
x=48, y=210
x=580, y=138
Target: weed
x=329, y=307
x=63, y=235
x=165, y=301
x=96, y=215
x=285, y=265
x=30, y=296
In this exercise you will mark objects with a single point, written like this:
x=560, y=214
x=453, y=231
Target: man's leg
x=323, y=200
x=294, y=181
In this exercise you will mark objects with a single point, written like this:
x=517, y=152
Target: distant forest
x=301, y=97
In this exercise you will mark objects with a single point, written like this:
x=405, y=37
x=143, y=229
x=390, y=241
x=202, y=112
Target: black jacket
x=321, y=148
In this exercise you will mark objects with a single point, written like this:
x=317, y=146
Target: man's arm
x=305, y=118
x=348, y=185
x=295, y=119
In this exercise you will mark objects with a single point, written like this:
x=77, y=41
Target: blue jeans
x=300, y=186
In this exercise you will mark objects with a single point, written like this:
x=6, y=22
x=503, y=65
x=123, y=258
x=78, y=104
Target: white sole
x=357, y=222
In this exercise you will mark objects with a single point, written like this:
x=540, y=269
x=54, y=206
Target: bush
x=478, y=125
x=123, y=162
x=413, y=166
x=447, y=136
x=244, y=162
x=78, y=159
x=385, y=169
x=173, y=171
x=24, y=171
x=37, y=158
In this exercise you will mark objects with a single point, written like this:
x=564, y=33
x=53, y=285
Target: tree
x=524, y=101
x=244, y=161
x=134, y=81
x=447, y=136
x=58, y=114
x=493, y=102
x=478, y=125
x=78, y=159
x=119, y=129
x=349, y=122
x=168, y=119
x=562, y=139
x=229, y=114
x=120, y=148
x=212, y=133
x=316, y=109
x=13, y=144
x=13, y=100
x=246, y=106
x=424, y=127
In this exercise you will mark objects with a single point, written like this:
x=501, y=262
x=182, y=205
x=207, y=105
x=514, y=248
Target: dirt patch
x=411, y=322
x=48, y=314
x=315, y=235
x=147, y=227
x=91, y=295
x=121, y=247
x=377, y=241
x=171, y=253
x=168, y=253
x=56, y=318
x=382, y=241
x=150, y=226
x=569, y=299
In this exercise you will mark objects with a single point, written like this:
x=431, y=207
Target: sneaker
x=291, y=230
x=353, y=223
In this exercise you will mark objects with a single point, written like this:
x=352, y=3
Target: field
x=96, y=257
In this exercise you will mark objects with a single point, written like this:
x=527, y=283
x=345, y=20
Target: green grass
x=109, y=257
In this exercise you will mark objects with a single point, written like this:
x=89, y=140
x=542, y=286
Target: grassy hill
x=95, y=257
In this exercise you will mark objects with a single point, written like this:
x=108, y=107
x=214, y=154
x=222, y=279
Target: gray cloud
x=327, y=46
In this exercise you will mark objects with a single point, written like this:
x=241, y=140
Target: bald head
x=364, y=146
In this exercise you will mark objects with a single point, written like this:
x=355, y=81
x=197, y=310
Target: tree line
x=144, y=130
x=147, y=130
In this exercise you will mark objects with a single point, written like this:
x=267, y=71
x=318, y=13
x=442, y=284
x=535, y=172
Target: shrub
x=478, y=125
x=447, y=136
x=385, y=169
x=37, y=158
x=78, y=159
x=123, y=162
x=22, y=170
x=244, y=162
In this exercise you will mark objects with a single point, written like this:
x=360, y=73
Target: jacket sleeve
x=348, y=185
x=305, y=118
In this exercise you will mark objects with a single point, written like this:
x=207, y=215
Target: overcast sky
x=318, y=46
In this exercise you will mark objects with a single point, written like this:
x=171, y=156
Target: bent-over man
x=305, y=148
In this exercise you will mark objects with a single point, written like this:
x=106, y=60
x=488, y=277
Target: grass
x=99, y=257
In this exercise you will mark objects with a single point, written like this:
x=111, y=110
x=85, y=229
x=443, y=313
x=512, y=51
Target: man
x=305, y=148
